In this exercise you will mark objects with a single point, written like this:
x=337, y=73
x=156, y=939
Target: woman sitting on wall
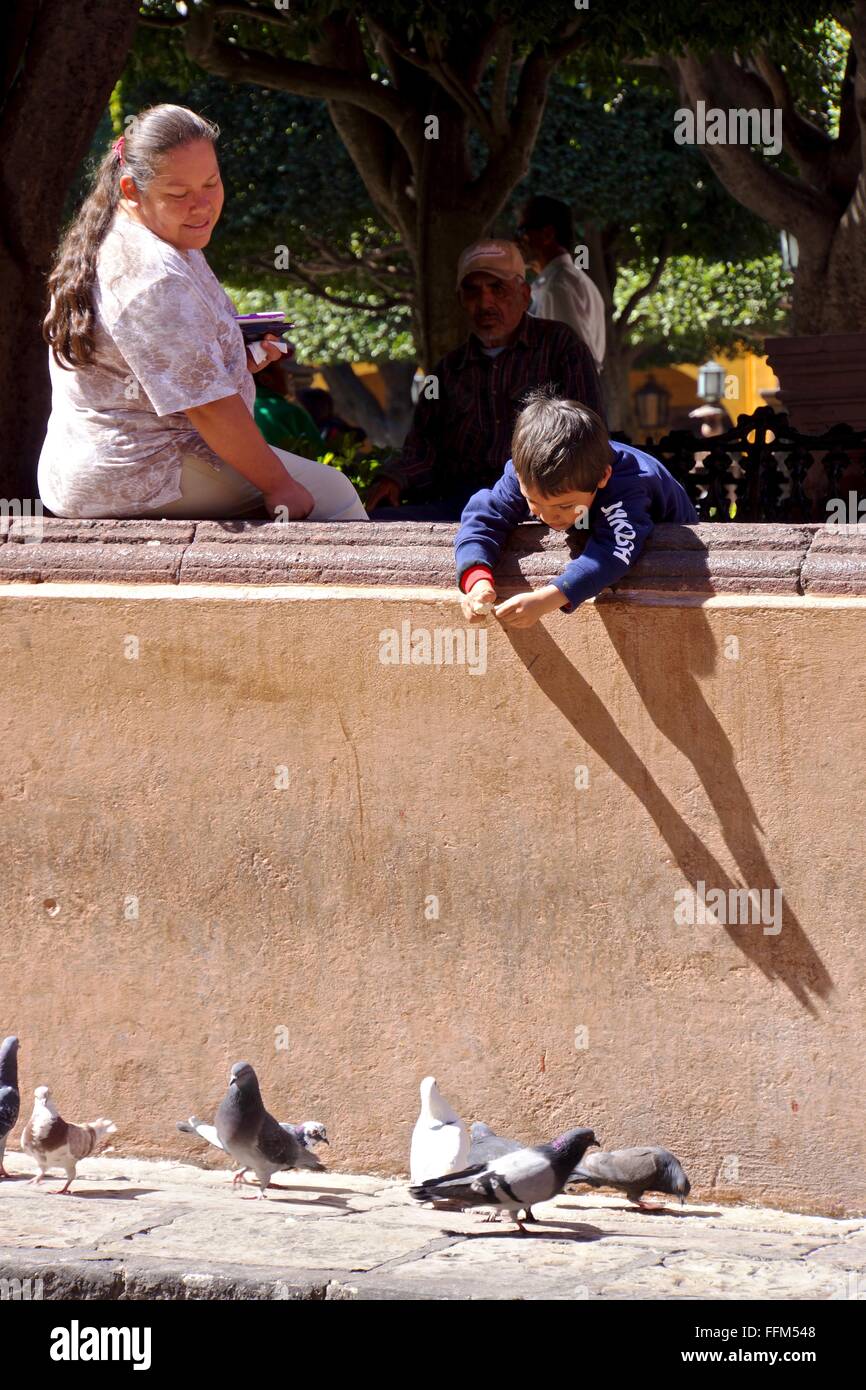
x=152, y=396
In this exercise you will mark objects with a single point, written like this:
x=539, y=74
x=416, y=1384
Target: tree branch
x=339, y=301
x=238, y=64
x=501, y=74
x=782, y=201
x=624, y=316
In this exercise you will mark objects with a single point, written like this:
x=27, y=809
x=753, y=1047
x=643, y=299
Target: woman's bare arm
x=230, y=430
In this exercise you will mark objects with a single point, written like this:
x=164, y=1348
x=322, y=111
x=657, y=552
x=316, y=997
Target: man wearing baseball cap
x=461, y=432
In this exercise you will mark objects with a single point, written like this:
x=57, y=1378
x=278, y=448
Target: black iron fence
x=764, y=470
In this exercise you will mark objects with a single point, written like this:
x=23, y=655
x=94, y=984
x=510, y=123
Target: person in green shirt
x=283, y=423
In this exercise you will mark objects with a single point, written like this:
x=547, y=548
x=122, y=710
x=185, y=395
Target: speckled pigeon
x=10, y=1100
x=516, y=1181
x=253, y=1137
x=634, y=1172
x=57, y=1143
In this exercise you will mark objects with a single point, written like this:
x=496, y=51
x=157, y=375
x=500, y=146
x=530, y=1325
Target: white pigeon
x=440, y=1139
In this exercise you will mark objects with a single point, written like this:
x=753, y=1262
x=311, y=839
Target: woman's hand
x=290, y=501
x=274, y=353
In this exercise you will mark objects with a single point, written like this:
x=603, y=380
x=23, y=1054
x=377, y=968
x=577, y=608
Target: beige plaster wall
x=306, y=913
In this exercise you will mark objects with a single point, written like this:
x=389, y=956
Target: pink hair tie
x=118, y=147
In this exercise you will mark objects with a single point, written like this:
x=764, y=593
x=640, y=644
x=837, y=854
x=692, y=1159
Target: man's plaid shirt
x=462, y=441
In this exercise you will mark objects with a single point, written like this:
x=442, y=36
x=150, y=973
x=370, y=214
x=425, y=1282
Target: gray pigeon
x=10, y=1100
x=516, y=1181
x=635, y=1171
x=486, y=1145
x=253, y=1137
x=309, y=1133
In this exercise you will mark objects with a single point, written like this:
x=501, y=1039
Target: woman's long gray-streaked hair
x=68, y=325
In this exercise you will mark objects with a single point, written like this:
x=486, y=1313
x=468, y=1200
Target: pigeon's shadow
x=313, y=1190
x=128, y=1195
x=655, y=1211
x=562, y=1230
x=296, y=1195
x=691, y=725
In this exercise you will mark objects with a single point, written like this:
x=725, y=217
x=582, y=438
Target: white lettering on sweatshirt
x=624, y=532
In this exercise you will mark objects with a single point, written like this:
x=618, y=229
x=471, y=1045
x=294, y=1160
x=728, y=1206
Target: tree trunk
x=421, y=179
x=445, y=224
x=59, y=66
x=386, y=427
x=829, y=291
x=823, y=205
x=617, y=396
x=434, y=226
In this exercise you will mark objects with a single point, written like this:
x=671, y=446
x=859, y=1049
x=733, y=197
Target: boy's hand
x=524, y=610
x=478, y=603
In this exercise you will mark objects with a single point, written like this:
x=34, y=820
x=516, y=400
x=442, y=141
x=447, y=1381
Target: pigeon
x=253, y=1137
x=440, y=1140
x=10, y=1100
x=487, y=1145
x=54, y=1143
x=515, y=1181
x=309, y=1133
x=635, y=1171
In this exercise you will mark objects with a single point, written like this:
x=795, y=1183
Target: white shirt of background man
x=564, y=292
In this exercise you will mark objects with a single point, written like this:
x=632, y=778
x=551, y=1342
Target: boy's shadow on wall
x=689, y=723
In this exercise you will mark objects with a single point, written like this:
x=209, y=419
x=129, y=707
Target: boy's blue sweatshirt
x=639, y=492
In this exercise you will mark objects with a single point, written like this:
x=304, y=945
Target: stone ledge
x=705, y=559
x=151, y=562
x=836, y=562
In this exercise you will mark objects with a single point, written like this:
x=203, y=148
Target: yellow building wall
x=747, y=375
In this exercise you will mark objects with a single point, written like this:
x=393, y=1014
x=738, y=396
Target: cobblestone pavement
x=147, y=1229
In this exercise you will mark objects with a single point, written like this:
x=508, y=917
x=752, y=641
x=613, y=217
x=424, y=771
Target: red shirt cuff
x=472, y=576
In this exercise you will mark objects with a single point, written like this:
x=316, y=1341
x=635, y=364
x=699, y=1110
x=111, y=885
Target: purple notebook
x=255, y=326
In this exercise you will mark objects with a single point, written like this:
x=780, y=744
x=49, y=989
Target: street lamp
x=652, y=404
x=711, y=382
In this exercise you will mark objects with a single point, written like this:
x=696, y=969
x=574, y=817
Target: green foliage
x=323, y=333
x=627, y=28
x=610, y=154
x=606, y=147
x=814, y=64
x=360, y=468
x=703, y=307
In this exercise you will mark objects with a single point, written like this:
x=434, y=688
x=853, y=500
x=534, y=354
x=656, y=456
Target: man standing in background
x=560, y=290
x=460, y=438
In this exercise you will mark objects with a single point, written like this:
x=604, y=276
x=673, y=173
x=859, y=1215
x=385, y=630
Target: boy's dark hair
x=542, y=211
x=559, y=446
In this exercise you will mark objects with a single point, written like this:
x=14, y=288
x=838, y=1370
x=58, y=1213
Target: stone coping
x=705, y=559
